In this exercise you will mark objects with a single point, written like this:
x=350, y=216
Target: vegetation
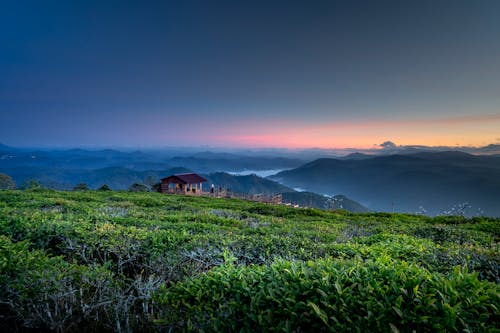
x=81, y=187
x=6, y=182
x=136, y=187
x=104, y=187
x=31, y=185
x=132, y=261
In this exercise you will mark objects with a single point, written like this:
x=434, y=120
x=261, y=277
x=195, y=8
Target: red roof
x=184, y=178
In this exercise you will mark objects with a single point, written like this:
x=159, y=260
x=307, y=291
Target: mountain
x=205, y=162
x=117, y=178
x=310, y=199
x=356, y=156
x=253, y=184
x=80, y=159
x=250, y=184
x=5, y=147
x=433, y=182
x=212, y=162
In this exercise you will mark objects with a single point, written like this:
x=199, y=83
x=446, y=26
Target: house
x=185, y=183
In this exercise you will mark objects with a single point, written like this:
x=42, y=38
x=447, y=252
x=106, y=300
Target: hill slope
x=116, y=261
x=314, y=200
x=250, y=184
x=82, y=159
x=434, y=181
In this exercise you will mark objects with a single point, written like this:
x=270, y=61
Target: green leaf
x=394, y=329
x=320, y=313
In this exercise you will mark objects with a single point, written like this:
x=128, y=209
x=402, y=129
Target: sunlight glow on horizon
x=473, y=131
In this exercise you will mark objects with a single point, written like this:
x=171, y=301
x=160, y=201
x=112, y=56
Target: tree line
x=8, y=183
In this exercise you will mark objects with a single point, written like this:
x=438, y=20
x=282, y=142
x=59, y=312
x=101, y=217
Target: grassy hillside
x=116, y=261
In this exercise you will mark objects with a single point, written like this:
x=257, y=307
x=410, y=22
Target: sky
x=249, y=73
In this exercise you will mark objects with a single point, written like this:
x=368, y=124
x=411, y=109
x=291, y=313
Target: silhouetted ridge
x=430, y=181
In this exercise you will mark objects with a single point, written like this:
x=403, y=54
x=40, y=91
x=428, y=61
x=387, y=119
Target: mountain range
x=63, y=169
x=413, y=180
x=12, y=158
x=423, y=182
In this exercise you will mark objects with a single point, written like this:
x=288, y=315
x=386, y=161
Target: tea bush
x=101, y=261
x=331, y=295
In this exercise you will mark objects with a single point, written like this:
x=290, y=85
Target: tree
x=156, y=187
x=104, y=187
x=150, y=181
x=6, y=182
x=31, y=184
x=136, y=187
x=81, y=187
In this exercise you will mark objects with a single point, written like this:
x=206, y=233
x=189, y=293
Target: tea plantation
x=121, y=262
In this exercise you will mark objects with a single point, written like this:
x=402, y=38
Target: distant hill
x=117, y=178
x=356, y=156
x=431, y=182
x=250, y=184
x=80, y=159
x=211, y=162
x=314, y=200
x=204, y=162
x=64, y=168
x=5, y=147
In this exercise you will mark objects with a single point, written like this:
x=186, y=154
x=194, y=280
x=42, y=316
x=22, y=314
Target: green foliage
x=6, y=182
x=330, y=295
x=156, y=187
x=136, y=187
x=81, y=187
x=123, y=261
x=104, y=187
x=31, y=184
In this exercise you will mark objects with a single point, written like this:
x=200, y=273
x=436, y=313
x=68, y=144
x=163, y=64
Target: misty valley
x=414, y=181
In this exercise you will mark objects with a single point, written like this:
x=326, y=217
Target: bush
x=327, y=295
x=6, y=182
x=31, y=184
x=136, y=187
x=104, y=187
x=81, y=187
x=156, y=187
x=92, y=261
x=50, y=294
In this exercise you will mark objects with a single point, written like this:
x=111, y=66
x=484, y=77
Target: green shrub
x=81, y=187
x=94, y=259
x=104, y=187
x=51, y=294
x=330, y=295
x=136, y=187
x=6, y=182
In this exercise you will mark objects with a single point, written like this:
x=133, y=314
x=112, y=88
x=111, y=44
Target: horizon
x=250, y=75
x=385, y=147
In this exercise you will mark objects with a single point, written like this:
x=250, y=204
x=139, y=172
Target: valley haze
x=388, y=177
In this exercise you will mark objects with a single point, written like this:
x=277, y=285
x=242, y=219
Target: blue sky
x=249, y=73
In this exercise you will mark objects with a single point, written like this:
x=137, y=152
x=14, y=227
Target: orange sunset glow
x=454, y=131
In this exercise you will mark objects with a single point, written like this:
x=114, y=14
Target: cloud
x=388, y=145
